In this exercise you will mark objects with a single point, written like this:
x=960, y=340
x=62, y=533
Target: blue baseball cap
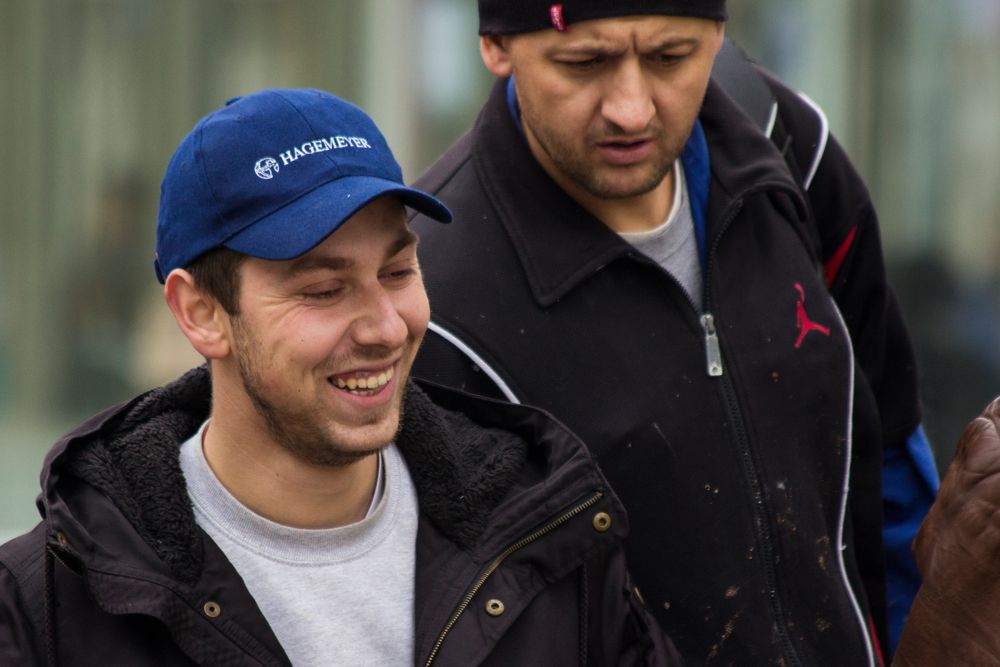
x=271, y=175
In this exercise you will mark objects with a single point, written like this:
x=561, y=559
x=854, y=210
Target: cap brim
x=300, y=226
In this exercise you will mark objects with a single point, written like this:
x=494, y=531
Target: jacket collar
x=558, y=242
x=743, y=159
x=462, y=470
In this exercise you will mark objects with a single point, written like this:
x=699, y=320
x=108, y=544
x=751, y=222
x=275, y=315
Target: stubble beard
x=598, y=180
x=300, y=432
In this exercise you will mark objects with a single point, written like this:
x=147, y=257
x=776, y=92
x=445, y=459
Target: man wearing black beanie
x=704, y=302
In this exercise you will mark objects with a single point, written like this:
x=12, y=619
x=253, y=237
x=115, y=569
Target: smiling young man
x=634, y=254
x=297, y=500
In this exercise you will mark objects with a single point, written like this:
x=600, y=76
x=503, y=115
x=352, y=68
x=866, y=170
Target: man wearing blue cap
x=706, y=306
x=298, y=501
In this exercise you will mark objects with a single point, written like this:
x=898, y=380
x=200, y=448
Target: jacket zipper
x=759, y=505
x=496, y=562
x=712, y=352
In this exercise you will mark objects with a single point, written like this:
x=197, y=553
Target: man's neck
x=272, y=482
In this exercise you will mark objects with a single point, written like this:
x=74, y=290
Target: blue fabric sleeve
x=909, y=483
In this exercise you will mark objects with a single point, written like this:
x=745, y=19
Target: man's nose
x=380, y=322
x=628, y=102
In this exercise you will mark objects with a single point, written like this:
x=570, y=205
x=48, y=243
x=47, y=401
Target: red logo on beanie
x=555, y=12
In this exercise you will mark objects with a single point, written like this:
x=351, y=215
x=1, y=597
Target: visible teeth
x=365, y=383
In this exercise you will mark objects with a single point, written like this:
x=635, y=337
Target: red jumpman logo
x=802, y=321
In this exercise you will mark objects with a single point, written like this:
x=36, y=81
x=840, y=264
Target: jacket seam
x=845, y=491
x=824, y=137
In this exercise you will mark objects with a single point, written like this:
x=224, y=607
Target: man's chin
x=621, y=184
x=367, y=437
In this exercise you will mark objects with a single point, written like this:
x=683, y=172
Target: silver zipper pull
x=712, y=352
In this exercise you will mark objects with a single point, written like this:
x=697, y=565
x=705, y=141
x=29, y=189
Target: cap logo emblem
x=556, y=14
x=266, y=168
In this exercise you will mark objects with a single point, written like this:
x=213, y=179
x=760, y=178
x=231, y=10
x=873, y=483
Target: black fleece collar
x=461, y=470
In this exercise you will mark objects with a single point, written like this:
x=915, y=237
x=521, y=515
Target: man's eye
x=400, y=274
x=321, y=295
x=668, y=58
x=584, y=64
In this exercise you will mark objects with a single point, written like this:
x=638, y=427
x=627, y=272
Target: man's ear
x=202, y=319
x=720, y=35
x=495, y=51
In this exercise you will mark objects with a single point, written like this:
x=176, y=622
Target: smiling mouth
x=363, y=383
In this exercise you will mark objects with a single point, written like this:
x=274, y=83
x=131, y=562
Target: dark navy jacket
x=754, y=493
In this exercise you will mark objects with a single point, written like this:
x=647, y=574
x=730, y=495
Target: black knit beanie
x=500, y=17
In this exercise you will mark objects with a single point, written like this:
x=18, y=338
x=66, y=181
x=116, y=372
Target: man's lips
x=625, y=151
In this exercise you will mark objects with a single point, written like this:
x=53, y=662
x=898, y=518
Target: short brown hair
x=217, y=272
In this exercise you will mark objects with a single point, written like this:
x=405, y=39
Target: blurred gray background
x=95, y=95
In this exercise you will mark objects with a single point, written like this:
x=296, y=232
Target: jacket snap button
x=602, y=522
x=212, y=609
x=494, y=607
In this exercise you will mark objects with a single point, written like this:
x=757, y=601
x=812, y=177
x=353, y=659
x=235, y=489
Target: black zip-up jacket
x=745, y=542
x=519, y=557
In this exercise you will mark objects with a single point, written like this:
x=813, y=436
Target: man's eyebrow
x=305, y=264
x=406, y=239
x=673, y=43
x=605, y=47
x=586, y=46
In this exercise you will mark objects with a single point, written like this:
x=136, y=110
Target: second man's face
x=608, y=106
x=325, y=342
